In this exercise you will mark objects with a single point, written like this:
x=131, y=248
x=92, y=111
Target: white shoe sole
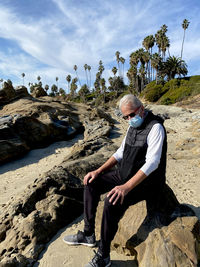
x=84, y=244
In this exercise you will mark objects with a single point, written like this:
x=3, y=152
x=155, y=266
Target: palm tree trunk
x=86, y=78
x=156, y=77
x=78, y=78
x=182, y=44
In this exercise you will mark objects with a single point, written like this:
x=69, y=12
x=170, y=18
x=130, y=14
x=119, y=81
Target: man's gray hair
x=130, y=99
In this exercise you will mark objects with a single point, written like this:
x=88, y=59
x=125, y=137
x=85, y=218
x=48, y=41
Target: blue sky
x=48, y=37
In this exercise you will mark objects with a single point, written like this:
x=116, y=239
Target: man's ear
x=141, y=111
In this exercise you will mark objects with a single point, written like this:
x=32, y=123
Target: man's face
x=129, y=111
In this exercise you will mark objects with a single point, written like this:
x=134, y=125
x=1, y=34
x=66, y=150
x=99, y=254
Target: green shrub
x=152, y=92
x=173, y=91
x=175, y=95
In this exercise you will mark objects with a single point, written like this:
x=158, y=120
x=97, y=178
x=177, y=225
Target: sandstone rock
x=21, y=91
x=7, y=93
x=174, y=245
x=28, y=222
x=156, y=239
x=99, y=113
x=39, y=91
x=41, y=126
x=54, y=200
x=38, y=123
x=96, y=129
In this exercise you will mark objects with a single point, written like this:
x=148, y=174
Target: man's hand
x=118, y=193
x=90, y=177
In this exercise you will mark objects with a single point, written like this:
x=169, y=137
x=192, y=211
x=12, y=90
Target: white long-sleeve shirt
x=155, y=140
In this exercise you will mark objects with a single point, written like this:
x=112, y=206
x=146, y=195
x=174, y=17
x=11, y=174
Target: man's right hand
x=90, y=177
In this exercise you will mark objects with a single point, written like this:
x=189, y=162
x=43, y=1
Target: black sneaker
x=80, y=239
x=99, y=261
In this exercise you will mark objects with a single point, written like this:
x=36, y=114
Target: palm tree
x=110, y=80
x=68, y=78
x=162, y=41
x=185, y=25
x=89, y=69
x=101, y=67
x=117, y=53
x=142, y=74
x=54, y=89
x=23, y=75
x=155, y=63
x=146, y=59
x=134, y=58
x=46, y=88
x=174, y=66
x=73, y=87
x=86, y=67
x=57, y=81
x=114, y=70
x=148, y=44
x=75, y=68
x=122, y=60
x=62, y=92
x=103, y=88
x=132, y=75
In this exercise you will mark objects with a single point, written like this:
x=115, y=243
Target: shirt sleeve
x=155, y=140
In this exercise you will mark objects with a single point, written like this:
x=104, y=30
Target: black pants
x=111, y=213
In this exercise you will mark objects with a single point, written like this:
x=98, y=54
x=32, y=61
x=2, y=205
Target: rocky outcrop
x=52, y=201
x=156, y=239
x=38, y=92
x=31, y=123
x=19, y=134
x=21, y=91
x=8, y=93
x=30, y=221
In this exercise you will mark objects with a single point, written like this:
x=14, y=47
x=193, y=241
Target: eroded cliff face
x=31, y=219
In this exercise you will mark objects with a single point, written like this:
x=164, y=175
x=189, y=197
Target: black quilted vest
x=135, y=150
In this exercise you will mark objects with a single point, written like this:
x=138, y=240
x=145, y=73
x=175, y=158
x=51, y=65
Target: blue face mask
x=136, y=121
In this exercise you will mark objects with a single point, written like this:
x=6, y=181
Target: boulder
x=174, y=245
x=158, y=239
x=21, y=91
x=27, y=223
x=38, y=92
x=94, y=129
x=7, y=93
x=11, y=144
x=99, y=113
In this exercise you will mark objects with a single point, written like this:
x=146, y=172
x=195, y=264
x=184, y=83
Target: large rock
x=31, y=123
x=7, y=93
x=158, y=239
x=174, y=245
x=21, y=91
x=22, y=133
x=39, y=91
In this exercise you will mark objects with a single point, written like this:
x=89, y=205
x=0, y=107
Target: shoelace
x=97, y=259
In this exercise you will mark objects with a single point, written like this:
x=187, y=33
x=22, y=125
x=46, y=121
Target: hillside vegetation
x=173, y=91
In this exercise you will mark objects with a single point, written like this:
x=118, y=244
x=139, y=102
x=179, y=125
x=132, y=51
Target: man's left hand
x=118, y=193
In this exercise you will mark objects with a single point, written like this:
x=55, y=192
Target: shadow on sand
x=36, y=155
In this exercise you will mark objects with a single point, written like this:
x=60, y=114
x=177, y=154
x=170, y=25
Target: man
x=140, y=175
